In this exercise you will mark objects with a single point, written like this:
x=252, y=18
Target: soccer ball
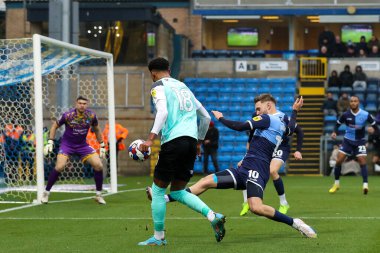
x=135, y=153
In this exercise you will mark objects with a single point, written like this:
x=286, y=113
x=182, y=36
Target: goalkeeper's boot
x=148, y=191
x=304, y=229
x=100, y=199
x=334, y=188
x=153, y=242
x=284, y=208
x=218, y=226
x=245, y=209
x=45, y=197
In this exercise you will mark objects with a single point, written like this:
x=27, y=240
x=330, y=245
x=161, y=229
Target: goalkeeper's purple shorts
x=83, y=151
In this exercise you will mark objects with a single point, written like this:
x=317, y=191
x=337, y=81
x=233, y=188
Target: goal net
x=40, y=79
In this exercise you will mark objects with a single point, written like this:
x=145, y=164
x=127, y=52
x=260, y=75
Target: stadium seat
x=236, y=53
x=227, y=82
x=371, y=97
x=330, y=118
x=276, y=91
x=360, y=96
x=209, y=53
x=333, y=90
x=222, y=53
x=328, y=128
x=372, y=87
x=371, y=107
x=346, y=90
x=197, y=54
x=265, y=82
x=252, y=82
x=239, y=82
x=359, y=90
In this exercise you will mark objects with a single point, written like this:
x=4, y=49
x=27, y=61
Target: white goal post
x=37, y=40
x=40, y=78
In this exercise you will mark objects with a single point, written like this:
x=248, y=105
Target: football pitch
x=347, y=221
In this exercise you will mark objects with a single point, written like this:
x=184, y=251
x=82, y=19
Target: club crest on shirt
x=154, y=93
x=257, y=118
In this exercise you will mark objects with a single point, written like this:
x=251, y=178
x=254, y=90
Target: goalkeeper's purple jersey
x=77, y=126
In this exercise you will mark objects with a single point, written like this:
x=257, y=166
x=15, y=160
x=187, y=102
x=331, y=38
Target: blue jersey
x=356, y=123
x=285, y=139
x=267, y=136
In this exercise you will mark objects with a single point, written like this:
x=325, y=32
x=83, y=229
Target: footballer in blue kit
x=253, y=174
x=280, y=156
x=354, y=140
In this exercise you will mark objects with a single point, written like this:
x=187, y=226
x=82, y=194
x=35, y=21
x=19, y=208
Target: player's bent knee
x=256, y=209
x=98, y=166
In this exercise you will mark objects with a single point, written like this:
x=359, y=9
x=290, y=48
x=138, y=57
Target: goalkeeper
x=77, y=122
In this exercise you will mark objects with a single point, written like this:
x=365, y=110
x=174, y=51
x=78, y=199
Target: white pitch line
x=179, y=218
x=61, y=201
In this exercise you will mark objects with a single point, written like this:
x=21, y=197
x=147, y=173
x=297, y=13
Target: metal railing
x=281, y=3
x=313, y=68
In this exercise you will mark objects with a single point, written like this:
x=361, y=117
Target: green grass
x=237, y=39
x=346, y=222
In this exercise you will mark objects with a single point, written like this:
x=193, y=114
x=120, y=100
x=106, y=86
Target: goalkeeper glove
x=102, y=151
x=48, y=147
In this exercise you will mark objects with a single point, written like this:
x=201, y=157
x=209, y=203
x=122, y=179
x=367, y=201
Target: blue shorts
x=282, y=154
x=355, y=148
x=253, y=176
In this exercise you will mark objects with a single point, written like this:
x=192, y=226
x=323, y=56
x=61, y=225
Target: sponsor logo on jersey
x=154, y=93
x=257, y=118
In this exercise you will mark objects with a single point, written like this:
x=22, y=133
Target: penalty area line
x=178, y=218
x=66, y=200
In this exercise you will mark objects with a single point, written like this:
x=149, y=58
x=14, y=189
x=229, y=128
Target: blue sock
x=364, y=173
x=337, y=170
x=279, y=185
x=282, y=218
x=158, y=207
x=191, y=201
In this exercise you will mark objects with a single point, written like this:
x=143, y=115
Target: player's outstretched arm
x=298, y=130
x=262, y=122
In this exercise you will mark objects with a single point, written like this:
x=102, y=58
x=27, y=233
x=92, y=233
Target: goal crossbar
x=38, y=40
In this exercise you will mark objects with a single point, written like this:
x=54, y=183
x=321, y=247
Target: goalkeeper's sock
x=158, y=209
x=191, y=201
x=98, y=176
x=53, y=177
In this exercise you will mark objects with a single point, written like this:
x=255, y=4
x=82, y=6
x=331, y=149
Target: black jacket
x=212, y=135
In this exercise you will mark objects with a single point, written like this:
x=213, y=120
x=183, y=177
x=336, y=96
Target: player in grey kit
x=77, y=122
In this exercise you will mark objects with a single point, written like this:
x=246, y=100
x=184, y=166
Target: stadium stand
x=234, y=97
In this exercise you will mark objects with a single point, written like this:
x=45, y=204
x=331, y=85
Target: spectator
x=362, y=53
x=346, y=77
x=360, y=78
x=351, y=51
x=329, y=106
x=343, y=103
x=340, y=48
x=210, y=147
x=362, y=44
x=324, y=52
x=334, y=79
x=373, y=42
x=327, y=38
x=374, y=52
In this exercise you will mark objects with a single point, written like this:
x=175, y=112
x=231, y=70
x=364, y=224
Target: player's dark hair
x=159, y=63
x=266, y=97
x=82, y=98
x=356, y=97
